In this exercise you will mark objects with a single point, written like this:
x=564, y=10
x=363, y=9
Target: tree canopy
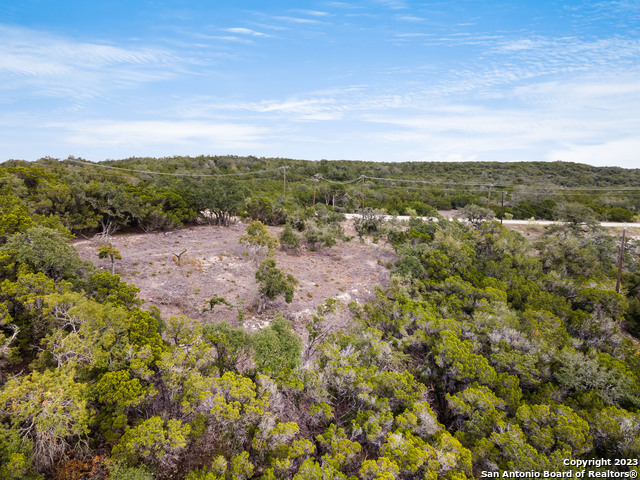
x=487, y=353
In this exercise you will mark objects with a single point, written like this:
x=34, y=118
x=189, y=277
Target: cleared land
x=216, y=264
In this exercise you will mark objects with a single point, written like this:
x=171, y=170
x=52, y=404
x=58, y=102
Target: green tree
x=277, y=348
x=476, y=214
x=289, y=237
x=50, y=410
x=258, y=239
x=107, y=287
x=576, y=215
x=14, y=215
x=46, y=251
x=457, y=362
x=107, y=250
x=154, y=441
x=232, y=345
x=370, y=222
x=16, y=455
x=118, y=393
x=555, y=428
x=274, y=283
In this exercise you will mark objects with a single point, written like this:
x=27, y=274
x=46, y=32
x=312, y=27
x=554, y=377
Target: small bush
x=371, y=222
x=289, y=237
x=122, y=472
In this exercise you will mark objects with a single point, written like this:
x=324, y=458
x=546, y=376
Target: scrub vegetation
x=484, y=352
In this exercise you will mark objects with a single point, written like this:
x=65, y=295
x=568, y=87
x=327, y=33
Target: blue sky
x=381, y=80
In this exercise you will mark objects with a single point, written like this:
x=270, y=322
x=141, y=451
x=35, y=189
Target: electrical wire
x=548, y=189
x=149, y=172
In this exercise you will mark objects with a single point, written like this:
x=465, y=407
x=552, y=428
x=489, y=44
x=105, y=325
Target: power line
x=149, y=172
x=548, y=189
x=529, y=188
x=340, y=183
x=427, y=182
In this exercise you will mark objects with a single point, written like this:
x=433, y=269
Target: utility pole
x=502, y=207
x=362, y=193
x=284, y=180
x=624, y=231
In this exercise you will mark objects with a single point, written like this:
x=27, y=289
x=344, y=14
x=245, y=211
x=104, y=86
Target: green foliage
x=15, y=455
x=14, y=215
x=50, y=410
x=487, y=352
x=106, y=250
x=88, y=334
x=120, y=471
x=608, y=377
x=289, y=237
x=217, y=300
x=274, y=283
x=258, y=238
x=107, y=287
x=341, y=452
x=554, y=428
x=266, y=211
x=45, y=250
x=277, y=348
x=476, y=214
x=370, y=222
x=144, y=332
x=232, y=345
x=118, y=392
x=154, y=441
x=318, y=227
x=458, y=363
x=216, y=201
x=576, y=215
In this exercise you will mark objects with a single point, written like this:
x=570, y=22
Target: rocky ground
x=215, y=263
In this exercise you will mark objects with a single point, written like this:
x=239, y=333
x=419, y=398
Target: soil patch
x=215, y=264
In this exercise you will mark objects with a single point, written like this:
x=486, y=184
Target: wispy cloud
x=290, y=109
x=53, y=66
x=246, y=31
x=409, y=18
x=298, y=20
x=136, y=134
x=32, y=53
x=621, y=152
x=313, y=13
x=392, y=4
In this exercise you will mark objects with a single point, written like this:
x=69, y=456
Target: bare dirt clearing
x=215, y=264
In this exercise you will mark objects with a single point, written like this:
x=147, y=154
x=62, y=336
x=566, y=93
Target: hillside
x=227, y=185
x=216, y=350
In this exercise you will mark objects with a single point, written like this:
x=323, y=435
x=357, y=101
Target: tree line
x=102, y=198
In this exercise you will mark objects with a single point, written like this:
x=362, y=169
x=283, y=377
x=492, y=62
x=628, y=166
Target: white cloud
x=38, y=64
x=298, y=20
x=32, y=53
x=314, y=13
x=620, y=152
x=290, y=109
x=392, y=4
x=137, y=134
x=246, y=31
x=409, y=18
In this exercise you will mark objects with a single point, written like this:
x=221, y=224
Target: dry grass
x=216, y=264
